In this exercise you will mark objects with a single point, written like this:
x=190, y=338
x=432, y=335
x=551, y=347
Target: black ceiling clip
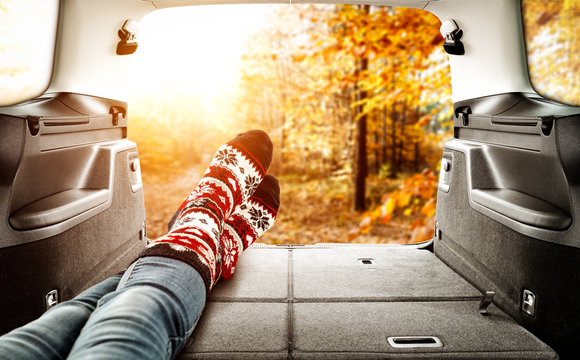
x=452, y=34
x=128, y=35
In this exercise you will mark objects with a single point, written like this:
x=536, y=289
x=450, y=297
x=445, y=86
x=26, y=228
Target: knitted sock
x=248, y=222
x=233, y=175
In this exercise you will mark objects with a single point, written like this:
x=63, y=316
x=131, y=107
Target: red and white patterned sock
x=248, y=222
x=231, y=179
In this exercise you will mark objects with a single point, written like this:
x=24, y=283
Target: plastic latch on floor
x=529, y=303
x=485, y=302
x=51, y=299
x=366, y=261
x=414, y=341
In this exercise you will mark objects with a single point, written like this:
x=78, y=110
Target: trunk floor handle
x=414, y=341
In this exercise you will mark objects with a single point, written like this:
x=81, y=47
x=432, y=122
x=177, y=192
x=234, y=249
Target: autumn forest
x=357, y=100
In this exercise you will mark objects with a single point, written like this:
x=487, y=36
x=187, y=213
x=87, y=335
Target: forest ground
x=311, y=211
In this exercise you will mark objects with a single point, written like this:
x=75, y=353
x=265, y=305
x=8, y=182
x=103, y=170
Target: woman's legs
x=161, y=295
x=149, y=316
x=159, y=299
x=53, y=334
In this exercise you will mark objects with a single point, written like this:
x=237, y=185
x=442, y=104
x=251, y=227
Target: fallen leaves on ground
x=311, y=211
x=320, y=211
x=164, y=194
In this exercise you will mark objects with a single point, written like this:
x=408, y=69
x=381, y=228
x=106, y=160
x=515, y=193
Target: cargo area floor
x=353, y=302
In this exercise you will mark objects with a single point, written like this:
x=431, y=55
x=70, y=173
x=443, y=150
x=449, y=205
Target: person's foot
x=232, y=177
x=248, y=222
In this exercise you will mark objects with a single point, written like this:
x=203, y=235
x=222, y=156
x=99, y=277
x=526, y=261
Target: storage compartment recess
x=57, y=208
x=522, y=207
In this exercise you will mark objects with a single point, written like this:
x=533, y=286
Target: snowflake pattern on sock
x=226, y=157
x=258, y=218
x=249, y=221
x=251, y=184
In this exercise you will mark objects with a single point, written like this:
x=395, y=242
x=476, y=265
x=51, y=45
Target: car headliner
x=494, y=60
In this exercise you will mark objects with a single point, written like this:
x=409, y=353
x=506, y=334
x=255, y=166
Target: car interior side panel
x=513, y=232
x=68, y=174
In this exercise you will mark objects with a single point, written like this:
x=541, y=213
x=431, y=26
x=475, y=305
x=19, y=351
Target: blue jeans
x=148, y=315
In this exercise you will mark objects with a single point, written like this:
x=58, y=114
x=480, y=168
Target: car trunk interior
x=353, y=302
x=497, y=230
x=324, y=301
x=72, y=213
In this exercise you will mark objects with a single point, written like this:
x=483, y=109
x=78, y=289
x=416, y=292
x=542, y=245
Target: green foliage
x=386, y=171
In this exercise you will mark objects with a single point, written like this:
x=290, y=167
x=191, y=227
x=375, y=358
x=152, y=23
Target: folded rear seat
x=353, y=302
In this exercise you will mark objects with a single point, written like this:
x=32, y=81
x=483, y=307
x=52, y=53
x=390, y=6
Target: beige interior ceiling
x=407, y=3
x=494, y=61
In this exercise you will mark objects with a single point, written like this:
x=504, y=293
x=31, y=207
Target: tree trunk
x=377, y=154
x=361, y=165
x=417, y=154
x=402, y=142
x=394, y=139
x=384, y=136
x=417, y=145
x=282, y=125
